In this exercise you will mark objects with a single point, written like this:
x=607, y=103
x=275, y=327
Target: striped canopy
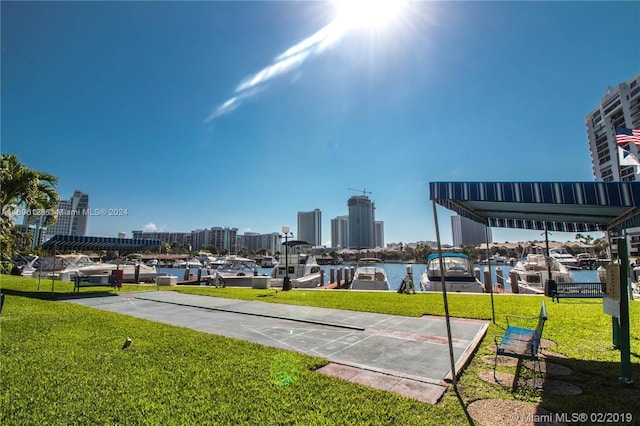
x=73, y=242
x=555, y=206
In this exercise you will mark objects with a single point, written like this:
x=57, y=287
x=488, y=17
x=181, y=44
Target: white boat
x=127, y=266
x=533, y=272
x=268, y=262
x=237, y=267
x=369, y=276
x=63, y=267
x=24, y=265
x=191, y=263
x=563, y=256
x=458, y=270
x=304, y=271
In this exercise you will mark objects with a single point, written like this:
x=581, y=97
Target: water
x=397, y=271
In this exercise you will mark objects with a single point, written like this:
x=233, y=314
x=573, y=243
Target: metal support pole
x=444, y=297
x=624, y=336
x=493, y=310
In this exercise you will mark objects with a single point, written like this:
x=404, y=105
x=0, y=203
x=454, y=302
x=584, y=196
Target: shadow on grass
x=593, y=388
x=47, y=295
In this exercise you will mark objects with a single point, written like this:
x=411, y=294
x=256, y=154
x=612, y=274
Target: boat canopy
x=446, y=254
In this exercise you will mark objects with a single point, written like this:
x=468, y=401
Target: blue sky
x=142, y=105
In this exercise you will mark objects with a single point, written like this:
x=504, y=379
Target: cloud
x=283, y=64
x=150, y=227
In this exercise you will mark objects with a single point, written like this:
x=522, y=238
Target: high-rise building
x=620, y=107
x=310, y=227
x=468, y=232
x=181, y=240
x=340, y=232
x=72, y=217
x=379, y=233
x=361, y=220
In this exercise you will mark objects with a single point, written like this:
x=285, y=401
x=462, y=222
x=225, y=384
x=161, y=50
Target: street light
x=286, y=283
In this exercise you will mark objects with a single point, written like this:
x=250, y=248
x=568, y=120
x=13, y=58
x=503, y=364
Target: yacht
x=268, y=262
x=563, y=256
x=237, y=267
x=63, y=267
x=459, y=275
x=533, y=271
x=304, y=271
x=127, y=266
x=369, y=276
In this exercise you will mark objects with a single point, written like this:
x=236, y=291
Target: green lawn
x=61, y=363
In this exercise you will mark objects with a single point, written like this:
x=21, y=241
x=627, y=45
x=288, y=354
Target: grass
x=63, y=364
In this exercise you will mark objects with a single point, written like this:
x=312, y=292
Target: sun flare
x=368, y=14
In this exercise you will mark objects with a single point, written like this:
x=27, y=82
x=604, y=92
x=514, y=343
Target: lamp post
x=286, y=283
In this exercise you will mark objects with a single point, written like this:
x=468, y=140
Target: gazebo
x=611, y=207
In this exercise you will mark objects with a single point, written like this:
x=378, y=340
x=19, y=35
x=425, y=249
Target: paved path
x=406, y=355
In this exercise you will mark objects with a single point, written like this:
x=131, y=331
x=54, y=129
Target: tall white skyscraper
x=468, y=232
x=340, y=232
x=310, y=227
x=72, y=217
x=620, y=107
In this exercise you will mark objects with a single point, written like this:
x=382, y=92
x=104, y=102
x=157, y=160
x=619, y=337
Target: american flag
x=627, y=136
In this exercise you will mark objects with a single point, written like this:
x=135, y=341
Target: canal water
x=396, y=272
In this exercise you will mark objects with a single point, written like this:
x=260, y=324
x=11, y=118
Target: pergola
x=548, y=206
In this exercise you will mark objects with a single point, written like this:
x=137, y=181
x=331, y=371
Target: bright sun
x=368, y=14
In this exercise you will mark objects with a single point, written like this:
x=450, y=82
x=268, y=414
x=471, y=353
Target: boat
x=533, y=271
x=24, y=265
x=459, y=275
x=369, y=276
x=563, y=256
x=128, y=267
x=268, y=262
x=304, y=271
x=63, y=267
x=237, y=267
x=191, y=263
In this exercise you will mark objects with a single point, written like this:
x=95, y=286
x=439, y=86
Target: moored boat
x=458, y=270
x=369, y=276
x=533, y=271
x=304, y=271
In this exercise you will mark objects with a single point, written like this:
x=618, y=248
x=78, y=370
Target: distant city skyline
x=186, y=115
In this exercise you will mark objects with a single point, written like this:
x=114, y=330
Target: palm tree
x=22, y=186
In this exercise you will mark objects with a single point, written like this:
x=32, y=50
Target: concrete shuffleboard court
x=406, y=355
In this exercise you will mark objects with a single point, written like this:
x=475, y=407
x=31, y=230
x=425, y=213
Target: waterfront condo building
x=72, y=217
x=361, y=222
x=619, y=107
x=310, y=227
x=340, y=232
x=468, y=232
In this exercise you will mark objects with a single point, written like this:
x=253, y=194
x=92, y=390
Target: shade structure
x=549, y=206
x=122, y=245
x=554, y=206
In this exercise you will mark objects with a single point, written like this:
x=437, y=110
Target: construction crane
x=364, y=191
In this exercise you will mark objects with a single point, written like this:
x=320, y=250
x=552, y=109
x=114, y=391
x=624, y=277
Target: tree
x=24, y=187
x=586, y=239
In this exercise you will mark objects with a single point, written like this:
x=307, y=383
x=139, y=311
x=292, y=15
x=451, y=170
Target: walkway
x=406, y=355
